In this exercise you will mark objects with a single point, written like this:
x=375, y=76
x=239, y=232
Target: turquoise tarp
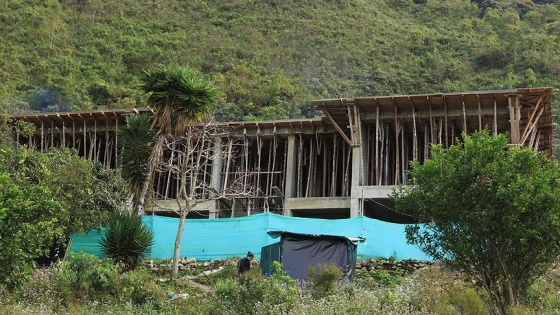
x=207, y=239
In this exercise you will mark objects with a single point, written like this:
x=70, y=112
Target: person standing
x=245, y=262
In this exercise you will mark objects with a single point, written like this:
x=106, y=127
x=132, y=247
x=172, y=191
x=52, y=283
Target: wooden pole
x=73, y=134
x=95, y=140
x=381, y=155
x=116, y=139
x=432, y=126
x=334, y=167
x=309, y=170
x=377, y=127
x=387, y=150
x=85, y=140
x=300, y=166
x=479, y=113
x=445, y=117
x=397, y=154
x=403, y=153
x=259, y=157
x=414, y=136
x=42, y=136
x=529, y=123
x=426, y=143
x=63, y=134
x=495, y=125
x=107, y=157
x=464, y=114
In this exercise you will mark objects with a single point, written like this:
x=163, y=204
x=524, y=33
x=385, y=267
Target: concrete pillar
x=356, y=185
x=359, y=159
x=291, y=168
x=216, y=180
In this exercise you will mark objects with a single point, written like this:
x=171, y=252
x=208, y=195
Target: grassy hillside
x=270, y=58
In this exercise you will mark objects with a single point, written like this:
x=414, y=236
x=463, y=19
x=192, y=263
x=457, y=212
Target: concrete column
x=356, y=185
x=216, y=180
x=359, y=159
x=291, y=167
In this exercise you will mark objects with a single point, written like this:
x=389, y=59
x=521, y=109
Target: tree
x=135, y=145
x=28, y=225
x=189, y=161
x=179, y=97
x=490, y=210
x=86, y=191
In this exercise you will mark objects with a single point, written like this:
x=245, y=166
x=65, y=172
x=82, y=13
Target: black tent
x=299, y=252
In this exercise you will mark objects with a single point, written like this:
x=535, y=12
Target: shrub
x=92, y=276
x=140, y=288
x=7, y=297
x=255, y=294
x=442, y=293
x=230, y=271
x=47, y=289
x=386, y=278
x=127, y=239
x=323, y=279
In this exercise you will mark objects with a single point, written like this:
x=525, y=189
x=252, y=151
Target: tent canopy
x=300, y=252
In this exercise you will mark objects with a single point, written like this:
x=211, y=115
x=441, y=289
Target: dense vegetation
x=44, y=198
x=270, y=58
x=85, y=285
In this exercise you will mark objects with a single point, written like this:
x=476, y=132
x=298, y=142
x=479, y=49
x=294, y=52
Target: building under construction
x=341, y=165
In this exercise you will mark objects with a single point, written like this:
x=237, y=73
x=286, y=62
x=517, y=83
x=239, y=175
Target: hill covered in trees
x=270, y=58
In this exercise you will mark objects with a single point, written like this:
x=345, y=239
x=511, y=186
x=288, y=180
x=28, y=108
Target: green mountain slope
x=269, y=58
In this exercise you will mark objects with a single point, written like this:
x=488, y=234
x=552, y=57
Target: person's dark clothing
x=244, y=265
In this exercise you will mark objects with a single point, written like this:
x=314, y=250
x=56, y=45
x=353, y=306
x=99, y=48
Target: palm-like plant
x=135, y=146
x=179, y=96
x=127, y=240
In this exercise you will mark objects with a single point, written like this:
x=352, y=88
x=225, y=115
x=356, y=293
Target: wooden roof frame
x=533, y=110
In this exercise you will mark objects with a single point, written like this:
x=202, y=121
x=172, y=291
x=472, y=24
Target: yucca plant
x=179, y=97
x=127, y=240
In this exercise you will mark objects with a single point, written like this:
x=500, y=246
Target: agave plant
x=127, y=240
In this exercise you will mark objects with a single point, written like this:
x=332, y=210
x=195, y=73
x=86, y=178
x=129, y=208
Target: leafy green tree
x=135, y=144
x=28, y=225
x=86, y=191
x=127, y=240
x=490, y=210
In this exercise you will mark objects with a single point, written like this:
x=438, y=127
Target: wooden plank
x=337, y=127
x=524, y=135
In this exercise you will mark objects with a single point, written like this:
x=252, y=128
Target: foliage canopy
x=28, y=226
x=179, y=97
x=490, y=210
